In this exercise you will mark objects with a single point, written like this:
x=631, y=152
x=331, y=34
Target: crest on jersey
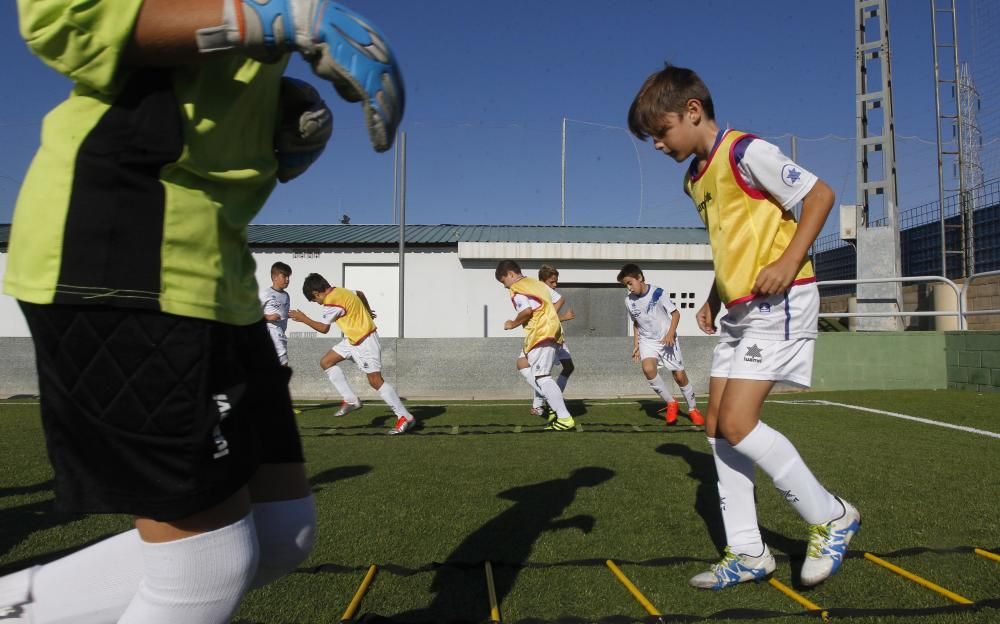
x=790, y=174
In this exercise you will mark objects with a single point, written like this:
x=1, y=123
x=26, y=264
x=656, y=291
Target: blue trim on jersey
x=740, y=148
x=654, y=300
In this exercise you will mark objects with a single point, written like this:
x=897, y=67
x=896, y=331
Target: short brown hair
x=505, y=267
x=546, y=271
x=280, y=268
x=666, y=91
x=630, y=270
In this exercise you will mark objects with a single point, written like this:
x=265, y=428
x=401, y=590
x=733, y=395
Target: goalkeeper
x=161, y=394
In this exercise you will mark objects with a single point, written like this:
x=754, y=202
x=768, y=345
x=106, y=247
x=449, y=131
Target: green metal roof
x=454, y=234
x=443, y=235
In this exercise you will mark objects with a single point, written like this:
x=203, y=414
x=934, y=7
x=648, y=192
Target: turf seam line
x=925, y=421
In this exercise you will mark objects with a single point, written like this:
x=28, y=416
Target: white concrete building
x=448, y=273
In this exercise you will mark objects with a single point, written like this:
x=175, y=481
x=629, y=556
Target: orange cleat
x=671, y=415
x=696, y=417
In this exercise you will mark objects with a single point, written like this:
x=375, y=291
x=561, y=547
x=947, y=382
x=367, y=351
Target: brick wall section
x=973, y=360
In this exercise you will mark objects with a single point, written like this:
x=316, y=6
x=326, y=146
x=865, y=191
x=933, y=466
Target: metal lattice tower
x=972, y=138
x=878, y=214
x=951, y=136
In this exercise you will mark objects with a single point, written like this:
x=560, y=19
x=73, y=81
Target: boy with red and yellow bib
x=744, y=189
x=542, y=336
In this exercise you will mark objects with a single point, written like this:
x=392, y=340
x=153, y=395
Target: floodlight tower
x=953, y=133
x=877, y=216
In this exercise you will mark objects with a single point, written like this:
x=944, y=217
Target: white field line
x=925, y=421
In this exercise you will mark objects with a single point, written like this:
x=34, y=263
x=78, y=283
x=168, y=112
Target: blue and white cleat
x=735, y=569
x=828, y=544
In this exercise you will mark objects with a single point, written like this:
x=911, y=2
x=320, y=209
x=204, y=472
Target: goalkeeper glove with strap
x=341, y=46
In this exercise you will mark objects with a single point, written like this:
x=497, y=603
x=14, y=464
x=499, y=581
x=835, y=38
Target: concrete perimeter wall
x=973, y=360
x=484, y=367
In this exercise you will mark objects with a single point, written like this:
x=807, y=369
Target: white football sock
x=388, y=394
x=201, y=578
x=776, y=456
x=553, y=395
x=736, y=498
x=90, y=586
x=530, y=378
x=286, y=532
x=339, y=382
x=688, y=392
x=661, y=388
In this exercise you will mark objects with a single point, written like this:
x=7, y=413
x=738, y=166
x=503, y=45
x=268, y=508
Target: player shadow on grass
x=336, y=474
x=422, y=413
x=18, y=523
x=506, y=541
x=701, y=468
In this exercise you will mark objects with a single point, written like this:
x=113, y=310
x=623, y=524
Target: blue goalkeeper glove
x=304, y=126
x=340, y=45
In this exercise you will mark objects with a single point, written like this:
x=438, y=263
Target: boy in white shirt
x=656, y=344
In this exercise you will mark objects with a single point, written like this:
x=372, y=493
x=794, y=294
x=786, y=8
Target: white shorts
x=667, y=357
x=541, y=359
x=562, y=353
x=788, y=316
x=280, y=341
x=367, y=354
x=790, y=361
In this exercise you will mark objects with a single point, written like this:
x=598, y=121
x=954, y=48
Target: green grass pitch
x=480, y=481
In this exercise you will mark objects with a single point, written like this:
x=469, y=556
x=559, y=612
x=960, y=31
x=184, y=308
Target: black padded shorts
x=156, y=415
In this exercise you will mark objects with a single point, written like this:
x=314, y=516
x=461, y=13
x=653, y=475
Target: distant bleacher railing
x=920, y=241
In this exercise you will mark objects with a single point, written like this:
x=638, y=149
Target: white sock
x=286, y=532
x=776, y=456
x=388, y=394
x=736, y=498
x=530, y=378
x=96, y=584
x=688, y=392
x=553, y=395
x=537, y=400
x=339, y=382
x=90, y=586
x=201, y=578
x=661, y=388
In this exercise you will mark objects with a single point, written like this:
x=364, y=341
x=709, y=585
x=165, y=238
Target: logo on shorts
x=221, y=444
x=765, y=307
x=753, y=355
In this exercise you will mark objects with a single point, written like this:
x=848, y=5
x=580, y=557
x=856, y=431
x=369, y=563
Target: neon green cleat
x=561, y=424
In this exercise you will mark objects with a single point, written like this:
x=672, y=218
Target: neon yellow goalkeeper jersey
x=146, y=178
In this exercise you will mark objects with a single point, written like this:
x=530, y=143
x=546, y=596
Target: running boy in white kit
x=656, y=343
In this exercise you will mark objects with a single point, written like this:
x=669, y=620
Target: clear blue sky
x=488, y=84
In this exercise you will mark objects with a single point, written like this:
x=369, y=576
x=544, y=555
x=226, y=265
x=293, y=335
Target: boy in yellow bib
x=744, y=189
x=542, y=337
x=350, y=311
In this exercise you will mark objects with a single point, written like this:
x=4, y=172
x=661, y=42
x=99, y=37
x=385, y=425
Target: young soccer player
x=549, y=275
x=161, y=396
x=744, y=189
x=276, y=302
x=655, y=341
x=355, y=318
x=542, y=337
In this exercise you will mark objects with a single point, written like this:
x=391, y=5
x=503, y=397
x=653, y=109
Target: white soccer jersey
x=276, y=302
x=650, y=312
x=763, y=167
